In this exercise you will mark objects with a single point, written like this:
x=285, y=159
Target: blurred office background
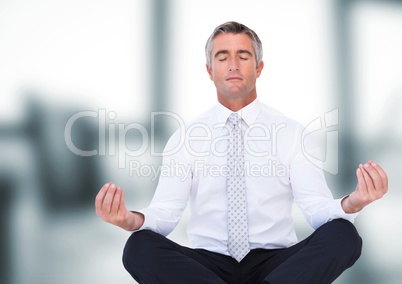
x=121, y=60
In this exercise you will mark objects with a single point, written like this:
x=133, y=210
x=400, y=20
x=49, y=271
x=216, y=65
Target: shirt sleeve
x=173, y=190
x=309, y=186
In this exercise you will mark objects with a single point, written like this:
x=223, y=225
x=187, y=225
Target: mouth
x=234, y=78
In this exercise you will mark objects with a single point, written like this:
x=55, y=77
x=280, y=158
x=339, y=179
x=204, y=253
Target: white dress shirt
x=277, y=174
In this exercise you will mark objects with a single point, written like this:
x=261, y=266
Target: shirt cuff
x=339, y=213
x=149, y=221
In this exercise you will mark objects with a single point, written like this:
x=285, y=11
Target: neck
x=236, y=104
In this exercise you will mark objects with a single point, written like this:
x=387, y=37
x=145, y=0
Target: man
x=247, y=168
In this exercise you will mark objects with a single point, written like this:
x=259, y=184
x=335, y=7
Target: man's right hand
x=111, y=208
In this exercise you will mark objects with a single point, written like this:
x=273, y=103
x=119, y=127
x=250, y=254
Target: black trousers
x=321, y=258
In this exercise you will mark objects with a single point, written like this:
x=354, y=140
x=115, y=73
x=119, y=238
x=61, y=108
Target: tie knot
x=234, y=119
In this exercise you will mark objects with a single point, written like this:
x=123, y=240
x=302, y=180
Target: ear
x=259, y=68
x=209, y=70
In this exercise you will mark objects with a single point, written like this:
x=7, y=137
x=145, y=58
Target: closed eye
x=244, y=54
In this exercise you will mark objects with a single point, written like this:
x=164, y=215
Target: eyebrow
x=240, y=51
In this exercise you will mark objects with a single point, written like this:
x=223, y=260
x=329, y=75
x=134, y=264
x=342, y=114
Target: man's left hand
x=372, y=184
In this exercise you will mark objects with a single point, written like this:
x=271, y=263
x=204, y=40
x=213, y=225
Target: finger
x=107, y=201
x=122, y=205
x=375, y=177
x=361, y=183
x=367, y=178
x=382, y=173
x=100, y=196
x=116, y=201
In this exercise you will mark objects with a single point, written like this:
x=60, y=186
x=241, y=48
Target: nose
x=233, y=65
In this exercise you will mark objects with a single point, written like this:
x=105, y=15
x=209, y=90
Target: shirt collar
x=249, y=113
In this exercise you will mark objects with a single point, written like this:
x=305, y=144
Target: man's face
x=233, y=67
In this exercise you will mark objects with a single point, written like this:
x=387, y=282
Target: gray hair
x=235, y=28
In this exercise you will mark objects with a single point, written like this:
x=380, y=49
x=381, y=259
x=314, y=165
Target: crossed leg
x=321, y=258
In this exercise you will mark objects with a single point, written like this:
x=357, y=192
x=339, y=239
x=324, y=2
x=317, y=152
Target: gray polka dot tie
x=238, y=244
